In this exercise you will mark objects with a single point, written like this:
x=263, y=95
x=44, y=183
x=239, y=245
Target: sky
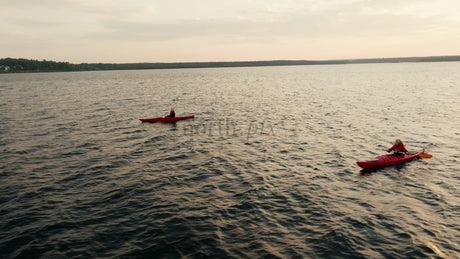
x=129, y=31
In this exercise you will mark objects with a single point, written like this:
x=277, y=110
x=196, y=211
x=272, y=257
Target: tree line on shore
x=13, y=65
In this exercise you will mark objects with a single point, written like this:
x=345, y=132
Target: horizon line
x=252, y=61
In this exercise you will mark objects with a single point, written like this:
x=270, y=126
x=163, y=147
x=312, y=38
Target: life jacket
x=398, y=149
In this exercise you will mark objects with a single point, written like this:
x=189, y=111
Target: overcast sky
x=116, y=31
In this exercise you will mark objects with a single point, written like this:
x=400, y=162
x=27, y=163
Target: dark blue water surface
x=267, y=169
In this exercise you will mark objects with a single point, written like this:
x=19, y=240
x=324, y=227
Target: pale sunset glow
x=239, y=30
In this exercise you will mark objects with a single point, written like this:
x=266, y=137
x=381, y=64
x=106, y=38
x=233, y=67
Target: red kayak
x=167, y=119
x=390, y=160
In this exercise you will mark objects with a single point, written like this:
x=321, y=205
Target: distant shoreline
x=12, y=65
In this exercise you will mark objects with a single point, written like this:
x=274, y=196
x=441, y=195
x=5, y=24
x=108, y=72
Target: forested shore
x=15, y=65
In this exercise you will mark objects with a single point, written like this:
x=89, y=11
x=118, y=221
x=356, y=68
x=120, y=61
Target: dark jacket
x=172, y=114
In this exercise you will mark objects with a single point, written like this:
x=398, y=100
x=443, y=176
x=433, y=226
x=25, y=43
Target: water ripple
x=266, y=168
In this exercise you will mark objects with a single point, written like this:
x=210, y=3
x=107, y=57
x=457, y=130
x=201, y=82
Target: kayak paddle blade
x=425, y=155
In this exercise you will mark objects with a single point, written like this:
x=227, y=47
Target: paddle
x=425, y=155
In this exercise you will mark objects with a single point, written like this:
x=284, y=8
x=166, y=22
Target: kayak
x=167, y=119
x=386, y=160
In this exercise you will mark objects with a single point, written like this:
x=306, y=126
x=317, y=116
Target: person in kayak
x=398, y=148
x=172, y=114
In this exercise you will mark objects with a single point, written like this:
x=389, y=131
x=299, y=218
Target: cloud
x=161, y=21
x=346, y=21
x=213, y=27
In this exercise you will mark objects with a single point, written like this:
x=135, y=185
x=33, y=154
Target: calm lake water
x=267, y=169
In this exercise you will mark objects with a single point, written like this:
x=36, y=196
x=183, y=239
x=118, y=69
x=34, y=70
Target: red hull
x=386, y=160
x=167, y=119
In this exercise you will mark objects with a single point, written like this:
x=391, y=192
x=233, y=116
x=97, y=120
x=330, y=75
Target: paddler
x=172, y=114
x=398, y=148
